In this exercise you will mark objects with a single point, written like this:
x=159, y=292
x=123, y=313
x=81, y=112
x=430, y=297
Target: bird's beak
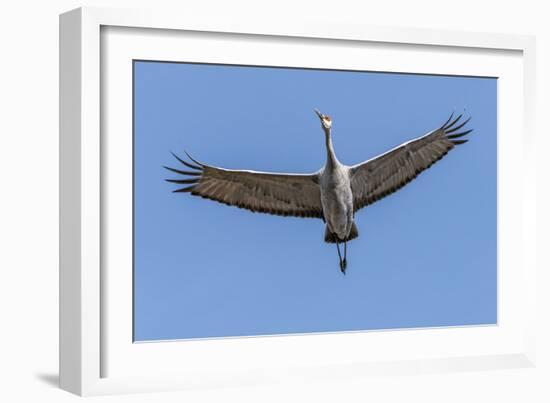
x=318, y=113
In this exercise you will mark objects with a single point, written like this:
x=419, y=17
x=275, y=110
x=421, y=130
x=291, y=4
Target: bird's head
x=326, y=122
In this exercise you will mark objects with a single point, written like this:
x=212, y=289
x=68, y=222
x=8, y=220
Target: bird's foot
x=343, y=266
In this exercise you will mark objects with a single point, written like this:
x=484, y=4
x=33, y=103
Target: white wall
x=29, y=211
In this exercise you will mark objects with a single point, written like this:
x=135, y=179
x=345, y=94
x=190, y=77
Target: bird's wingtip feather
x=193, y=159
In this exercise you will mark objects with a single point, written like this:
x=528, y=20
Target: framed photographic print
x=248, y=202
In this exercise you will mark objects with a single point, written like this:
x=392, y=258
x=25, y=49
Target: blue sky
x=426, y=255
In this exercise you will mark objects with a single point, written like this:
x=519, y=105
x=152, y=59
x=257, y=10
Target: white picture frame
x=97, y=356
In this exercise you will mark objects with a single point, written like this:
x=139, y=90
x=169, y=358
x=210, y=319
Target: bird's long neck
x=331, y=156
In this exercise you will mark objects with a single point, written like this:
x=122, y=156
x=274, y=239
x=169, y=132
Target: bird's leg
x=342, y=266
x=345, y=262
x=339, y=255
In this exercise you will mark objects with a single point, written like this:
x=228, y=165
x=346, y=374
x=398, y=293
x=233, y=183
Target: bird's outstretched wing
x=295, y=195
x=380, y=176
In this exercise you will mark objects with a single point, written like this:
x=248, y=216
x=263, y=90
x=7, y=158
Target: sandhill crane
x=334, y=193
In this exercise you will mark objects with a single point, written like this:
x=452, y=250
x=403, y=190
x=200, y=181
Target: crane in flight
x=334, y=193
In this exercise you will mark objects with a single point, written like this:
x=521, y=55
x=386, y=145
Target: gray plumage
x=334, y=193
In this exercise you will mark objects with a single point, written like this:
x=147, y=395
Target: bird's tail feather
x=333, y=238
